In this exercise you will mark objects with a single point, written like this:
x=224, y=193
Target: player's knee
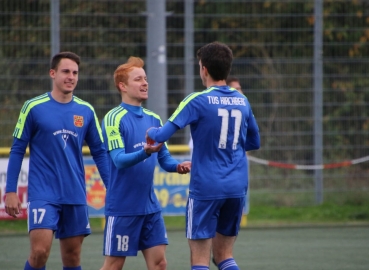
x=39, y=256
x=72, y=257
x=161, y=265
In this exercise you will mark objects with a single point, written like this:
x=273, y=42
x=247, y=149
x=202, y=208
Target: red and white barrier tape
x=308, y=167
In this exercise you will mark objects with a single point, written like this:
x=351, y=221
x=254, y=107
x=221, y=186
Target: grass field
x=288, y=248
x=324, y=237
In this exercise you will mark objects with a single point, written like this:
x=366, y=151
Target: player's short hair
x=121, y=73
x=217, y=58
x=62, y=55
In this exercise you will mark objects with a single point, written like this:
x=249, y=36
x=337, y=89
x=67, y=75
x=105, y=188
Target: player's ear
x=122, y=86
x=52, y=73
x=205, y=70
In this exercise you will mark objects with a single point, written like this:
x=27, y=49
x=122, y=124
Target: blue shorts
x=126, y=235
x=66, y=220
x=205, y=217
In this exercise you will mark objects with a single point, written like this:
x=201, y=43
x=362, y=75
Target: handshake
x=149, y=141
x=150, y=147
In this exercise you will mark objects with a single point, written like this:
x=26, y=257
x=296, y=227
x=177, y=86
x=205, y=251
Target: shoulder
x=83, y=103
x=114, y=116
x=151, y=113
x=29, y=104
x=197, y=95
x=193, y=100
x=194, y=95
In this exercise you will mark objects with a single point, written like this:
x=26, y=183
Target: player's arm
x=162, y=134
x=169, y=164
x=12, y=202
x=253, y=136
x=123, y=160
x=98, y=151
x=99, y=156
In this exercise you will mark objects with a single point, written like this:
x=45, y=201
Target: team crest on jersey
x=78, y=120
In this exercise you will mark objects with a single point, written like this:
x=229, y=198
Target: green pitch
x=307, y=248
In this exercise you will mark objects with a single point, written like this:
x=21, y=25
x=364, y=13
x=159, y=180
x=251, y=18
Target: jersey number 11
x=224, y=129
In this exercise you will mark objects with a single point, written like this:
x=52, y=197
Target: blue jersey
x=130, y=190
x=223, y=128
x=56, y=133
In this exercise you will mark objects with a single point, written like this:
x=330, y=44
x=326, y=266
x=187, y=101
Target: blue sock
x=72, y=268
x=229, y=264
x=199, y=267
x=27, y=266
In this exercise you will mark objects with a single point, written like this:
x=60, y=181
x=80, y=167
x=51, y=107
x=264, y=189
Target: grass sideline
x=259, y=216
x=307, y=248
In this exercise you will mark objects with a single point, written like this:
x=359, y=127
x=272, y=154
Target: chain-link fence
x=282, y=49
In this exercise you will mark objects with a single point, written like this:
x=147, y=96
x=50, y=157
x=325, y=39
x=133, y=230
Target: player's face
x=236, y=85
x=137, y=87
x=65, y=76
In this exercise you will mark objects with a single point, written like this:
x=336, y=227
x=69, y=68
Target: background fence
x=302, y=64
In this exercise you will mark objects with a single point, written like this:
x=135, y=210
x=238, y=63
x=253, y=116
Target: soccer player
x=133, y=213
x=55, y=126
x=234, y=83
x=231, y=82
x=223, y=128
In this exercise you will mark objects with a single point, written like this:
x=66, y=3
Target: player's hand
x=148, y=139
x=12, y=204
x=184, y=167
x=149, y=149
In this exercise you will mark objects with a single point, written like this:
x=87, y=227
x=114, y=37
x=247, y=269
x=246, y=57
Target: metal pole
x=54, y=27
x=318, y=98
x=156, y=59
x=189, y=53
